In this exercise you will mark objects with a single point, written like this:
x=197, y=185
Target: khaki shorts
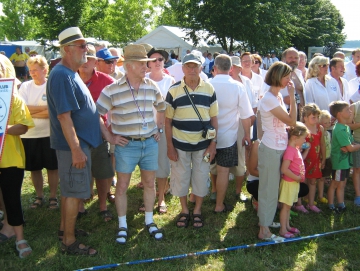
x=189, y=167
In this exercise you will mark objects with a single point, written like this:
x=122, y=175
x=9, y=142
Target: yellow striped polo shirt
x=187, y=128
x=126, y=120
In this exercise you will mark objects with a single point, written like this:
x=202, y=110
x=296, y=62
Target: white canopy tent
x=172, y=38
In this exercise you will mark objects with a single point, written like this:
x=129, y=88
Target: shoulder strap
x=196, y=110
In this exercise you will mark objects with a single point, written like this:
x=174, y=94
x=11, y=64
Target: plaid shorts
x=227, y=157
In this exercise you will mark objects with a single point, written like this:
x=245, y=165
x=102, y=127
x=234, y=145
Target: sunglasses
x=160, y=59
x=323, y=66
x=108, y=61
x=82, y=46
x=257, y=62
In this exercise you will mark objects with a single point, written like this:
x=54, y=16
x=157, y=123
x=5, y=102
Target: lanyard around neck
x=142, y=114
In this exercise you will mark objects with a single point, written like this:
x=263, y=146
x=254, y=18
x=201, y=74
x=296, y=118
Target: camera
x=209, y=132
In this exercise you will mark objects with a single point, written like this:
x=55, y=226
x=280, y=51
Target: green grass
x=334, y=252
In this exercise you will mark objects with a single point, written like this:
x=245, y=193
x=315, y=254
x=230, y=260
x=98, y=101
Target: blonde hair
x=314, y=69
x=324, y=114
x=298, y=130
x=40, y=60
x=310, y=109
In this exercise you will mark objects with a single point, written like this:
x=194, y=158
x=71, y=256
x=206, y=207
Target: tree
x=16, y=25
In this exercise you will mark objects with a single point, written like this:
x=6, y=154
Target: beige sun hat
x=136, y=52
x=235, y=60
x=91, y=51
x=69, y=35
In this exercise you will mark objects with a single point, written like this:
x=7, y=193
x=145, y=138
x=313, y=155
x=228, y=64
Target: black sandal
x=36, y=202
x=183, y=218
x=200, y=220
x=125, y=236
x=78, y=232
x=53, y=203
x=74, y=249
x=154, y=232
x=106, y=214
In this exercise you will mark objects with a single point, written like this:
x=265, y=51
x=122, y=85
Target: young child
x=293, y=171
x=355, y=126
x=315, y=159
x=341, y=158
x=325, y=121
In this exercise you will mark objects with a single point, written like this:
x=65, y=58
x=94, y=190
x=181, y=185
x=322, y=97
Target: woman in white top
x=164, y=82
x=274, y=118
x=257, y=64
x=36, y=141
x=320, y=88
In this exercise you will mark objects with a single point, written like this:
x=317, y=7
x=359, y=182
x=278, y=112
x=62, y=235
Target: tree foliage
x=261, y=25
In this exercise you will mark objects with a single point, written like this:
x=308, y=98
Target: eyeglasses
x=323, y=66
x=108, y=61
x=82, y=46
x=160, y=59
x=257, y=62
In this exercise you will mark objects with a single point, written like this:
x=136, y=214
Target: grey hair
x=126, y=63
x=223, y=62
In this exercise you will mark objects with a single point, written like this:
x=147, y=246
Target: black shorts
x=38, y=154
x=20, y=71
x=227, y=157
x=340, y=175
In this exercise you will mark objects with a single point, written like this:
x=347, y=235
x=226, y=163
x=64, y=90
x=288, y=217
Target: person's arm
x=252, y=162
x=281, y=114
x=39, y=111
x=171, y=151
x=352, y=147
x=17, y=129
x=78, y=156
x=305, y=153
x=211, y=149
x=351, y=123
x=246, y=123
x=286, y=171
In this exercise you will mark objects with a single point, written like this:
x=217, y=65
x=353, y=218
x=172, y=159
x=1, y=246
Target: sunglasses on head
x=160, y=59
x=109, y=61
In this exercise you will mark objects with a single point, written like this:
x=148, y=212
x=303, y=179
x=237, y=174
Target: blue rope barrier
x=213, y=251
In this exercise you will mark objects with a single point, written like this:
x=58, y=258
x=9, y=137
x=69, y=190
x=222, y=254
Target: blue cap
x=105, y=54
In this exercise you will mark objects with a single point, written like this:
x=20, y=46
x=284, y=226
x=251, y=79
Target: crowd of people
x=285, y=128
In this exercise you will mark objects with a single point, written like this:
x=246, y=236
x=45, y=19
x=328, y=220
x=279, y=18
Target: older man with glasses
x=75, y=128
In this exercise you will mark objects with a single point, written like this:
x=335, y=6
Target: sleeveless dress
x=312, y=161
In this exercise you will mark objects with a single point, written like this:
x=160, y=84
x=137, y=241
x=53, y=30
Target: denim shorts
x=142, y=153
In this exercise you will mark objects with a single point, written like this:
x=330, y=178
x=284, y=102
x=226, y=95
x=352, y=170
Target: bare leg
x=321, y=182
x=340, y=191
x=312, y=191
x=38, y=181
x=331, y=191
x=148, y=179
x=161, y=188
x=221, y=187
x=356, y=181
x=53, y=179
x=102, y=189
x=239, y=183
x=284, y=218
x=123, y=181
x=213, y=182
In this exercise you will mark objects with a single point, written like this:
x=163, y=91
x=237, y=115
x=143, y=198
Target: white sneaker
x=113, y=182
x=231, y=177
x=242, y=197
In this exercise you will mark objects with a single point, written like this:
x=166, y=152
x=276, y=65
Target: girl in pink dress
x=316, y=157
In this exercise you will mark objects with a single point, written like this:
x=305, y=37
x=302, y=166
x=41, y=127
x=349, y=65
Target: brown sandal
x=74, y=249
x=38, y=202
x=53, y=203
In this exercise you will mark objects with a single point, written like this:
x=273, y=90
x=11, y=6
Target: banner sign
x=6, y=91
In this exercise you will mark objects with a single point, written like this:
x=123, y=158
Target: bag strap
x=196, y=110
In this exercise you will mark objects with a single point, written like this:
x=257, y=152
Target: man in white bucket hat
x=75, y=127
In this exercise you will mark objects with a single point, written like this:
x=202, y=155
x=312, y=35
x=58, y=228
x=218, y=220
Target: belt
x=137, y=139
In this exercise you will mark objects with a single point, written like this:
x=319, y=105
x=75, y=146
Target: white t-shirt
x=346, y=92
x=275, y=135
x=249, y=90
x=350, y=71
x=257, y=82
x=35, y=95
x=316, y=93
x=263, y=73
x=233, y=104
x=354, y=85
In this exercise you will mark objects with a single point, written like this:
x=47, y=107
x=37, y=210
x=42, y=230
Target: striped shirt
x=187, y=128
x=126, y=119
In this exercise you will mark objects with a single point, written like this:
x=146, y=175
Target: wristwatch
x=214, y=140
x=161, y=130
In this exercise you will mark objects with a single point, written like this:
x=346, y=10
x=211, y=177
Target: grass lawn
x=334, y=252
